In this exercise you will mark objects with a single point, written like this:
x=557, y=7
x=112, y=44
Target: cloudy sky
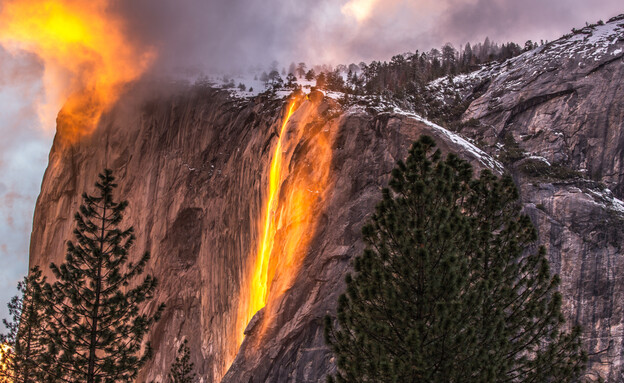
x=23, y=153
x=223, y=32
x=217, y=34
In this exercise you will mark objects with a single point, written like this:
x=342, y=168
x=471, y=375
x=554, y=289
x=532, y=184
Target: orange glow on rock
x=255, y=297
x=5, y=352
x=298, y=180
x=87, y=57
x=260, y=279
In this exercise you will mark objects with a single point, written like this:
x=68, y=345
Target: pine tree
x=310, y=75
x=24, y=345
x=96, y=327
x=301, y=69
x=275, y=80
x=291, y=81
x=449, y=289
x=182, y=370
x=321, y=80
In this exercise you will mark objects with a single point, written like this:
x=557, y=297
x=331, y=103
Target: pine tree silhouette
x=96, y=328
x=449, y=289
x=24, y=345
x=182, y=370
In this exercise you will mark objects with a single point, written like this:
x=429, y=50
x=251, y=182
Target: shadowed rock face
x=194, y=166
x=556, y=115
x=562, y=101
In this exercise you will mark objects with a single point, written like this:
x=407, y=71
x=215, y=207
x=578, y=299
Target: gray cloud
x=225, y=34
x=23, y=154
x=519, y=21
x=217, y=34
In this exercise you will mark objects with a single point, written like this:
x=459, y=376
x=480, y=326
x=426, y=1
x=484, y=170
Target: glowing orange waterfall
x=259, y=282
x=254, y=298
x=298, y=181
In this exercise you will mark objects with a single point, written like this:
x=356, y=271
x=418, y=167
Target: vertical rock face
x=190, y=167
x=556, y=115
x=563, y=101
x=194, y=166
x=292, y=348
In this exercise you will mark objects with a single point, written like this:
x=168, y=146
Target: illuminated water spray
x=302, y=156
x=259, y=282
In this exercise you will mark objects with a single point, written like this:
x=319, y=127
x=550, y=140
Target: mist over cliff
x=195, y=163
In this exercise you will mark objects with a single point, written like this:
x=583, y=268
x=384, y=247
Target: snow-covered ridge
x=384, y=106
x=484, y=158
x=587, y=48
x=607, y=200
x=537, y=158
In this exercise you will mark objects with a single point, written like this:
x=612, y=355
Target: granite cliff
x=195, y=162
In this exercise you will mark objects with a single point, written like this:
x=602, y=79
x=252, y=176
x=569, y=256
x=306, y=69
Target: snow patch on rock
x=607, y=200
x=458, y=140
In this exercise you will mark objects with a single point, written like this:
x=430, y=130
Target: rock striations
x=556, y=115
x=194, y=165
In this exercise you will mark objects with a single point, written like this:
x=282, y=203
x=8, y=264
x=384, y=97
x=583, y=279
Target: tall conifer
x=97, y=330
x=182, y=368
x=451, y=287
x=23, y=348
